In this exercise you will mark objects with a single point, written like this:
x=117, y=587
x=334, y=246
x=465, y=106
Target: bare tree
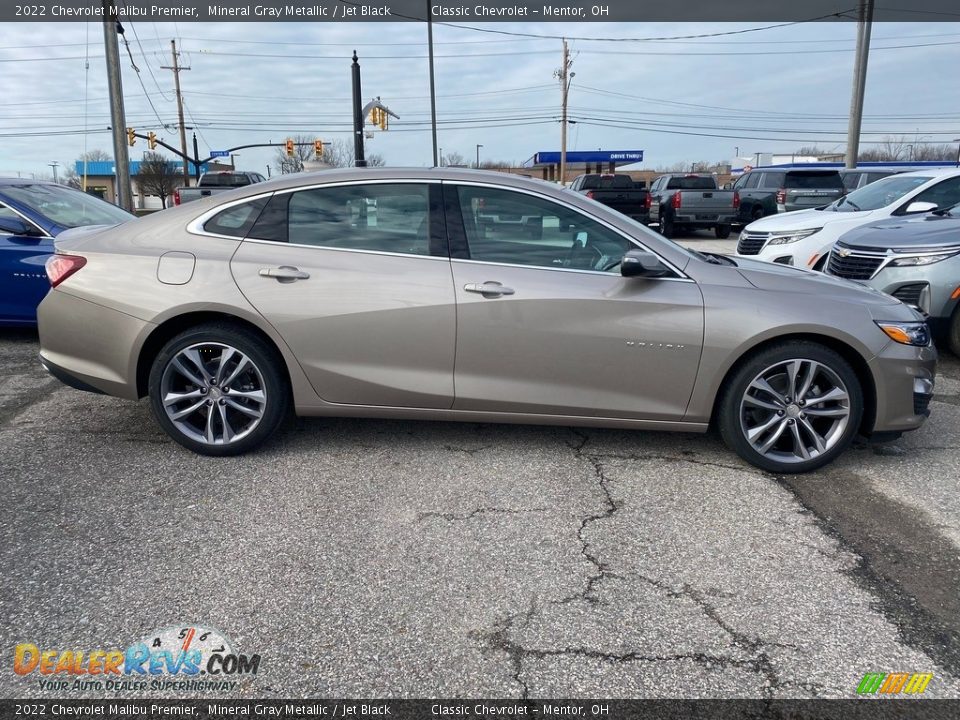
x=890, y=149
x=69, y=177
x=157, y=176
x=497, y=164
x=455, y=159
x=96, y=155
x=940, y=151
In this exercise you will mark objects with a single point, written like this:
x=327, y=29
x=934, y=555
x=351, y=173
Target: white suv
x=804, y=238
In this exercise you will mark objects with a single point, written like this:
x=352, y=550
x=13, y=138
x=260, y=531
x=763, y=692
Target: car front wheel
x=791, y=408
x=218, y=389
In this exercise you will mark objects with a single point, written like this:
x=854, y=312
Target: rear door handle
x=489, y=289
x=284, y=274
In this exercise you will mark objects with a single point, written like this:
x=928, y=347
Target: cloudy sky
x=678, y=100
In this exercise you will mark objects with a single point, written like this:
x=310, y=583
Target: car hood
x=804, y=219
x=927, y=230
x=788, y=279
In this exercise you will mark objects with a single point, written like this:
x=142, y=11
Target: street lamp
x=54, y=165
x=478, y=155
x=957, y=140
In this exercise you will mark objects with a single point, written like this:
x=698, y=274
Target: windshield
x=878, y=194
x=67, y=207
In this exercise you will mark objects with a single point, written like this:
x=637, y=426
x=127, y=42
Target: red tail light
x=736, y=199
x=60, y=267
x=781, y=197
x=590, y=194
x=676, y=200
x=648, y=201
x=176, y=197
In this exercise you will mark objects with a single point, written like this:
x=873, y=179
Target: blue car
x=32, y=213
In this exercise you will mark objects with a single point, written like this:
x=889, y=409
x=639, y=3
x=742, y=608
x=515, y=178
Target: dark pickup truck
x=619, y=192
x=692, y=201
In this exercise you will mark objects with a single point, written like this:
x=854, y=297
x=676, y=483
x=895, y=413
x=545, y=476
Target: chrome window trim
x=27, y=220
x=639, y=245
x=195, y=226
x=563, y=269
x=274, y=243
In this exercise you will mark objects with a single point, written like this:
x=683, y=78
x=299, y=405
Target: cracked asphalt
x=410, y=559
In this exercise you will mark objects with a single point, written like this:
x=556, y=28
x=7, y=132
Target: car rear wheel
x=218, y=389
x=791, y=408
x=667, y=227
x=722, y=232
x=757, y=213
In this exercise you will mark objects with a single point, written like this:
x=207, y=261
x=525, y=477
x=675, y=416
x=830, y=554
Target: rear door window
x=772, y=180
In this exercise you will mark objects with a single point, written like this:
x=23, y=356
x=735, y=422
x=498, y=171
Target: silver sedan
x=461, y=295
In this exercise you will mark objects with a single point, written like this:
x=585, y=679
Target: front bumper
x=929, y=288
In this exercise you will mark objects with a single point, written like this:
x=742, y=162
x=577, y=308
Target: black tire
x=732, y=430
x=722, y=232
x=953, y=333
x=756, y=213
x=667, y=227
x=267, y=370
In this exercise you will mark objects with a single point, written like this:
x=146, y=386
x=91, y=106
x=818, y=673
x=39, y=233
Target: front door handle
x=489, y=289
x=284, y=274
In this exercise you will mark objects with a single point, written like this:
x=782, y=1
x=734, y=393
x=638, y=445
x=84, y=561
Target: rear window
x=692, y=183
x=225, y=180
x=605, y=182
x=815, y=181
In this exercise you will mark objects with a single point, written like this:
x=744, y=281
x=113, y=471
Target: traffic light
x=384, y=119
x=151, y=140
x=131, y=137
x=289, y=147
x=318, y=148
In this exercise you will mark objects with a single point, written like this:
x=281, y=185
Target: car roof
x=7, y=181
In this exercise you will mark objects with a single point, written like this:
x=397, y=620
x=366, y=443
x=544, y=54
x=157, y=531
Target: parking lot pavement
x=373, y=558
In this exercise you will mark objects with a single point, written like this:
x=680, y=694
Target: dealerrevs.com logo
x=187, y=658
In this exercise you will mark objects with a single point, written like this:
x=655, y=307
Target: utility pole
x=183, y=131
x=864, y=25
x=359, y=159
x=478, y=156
x=433, y=89
x=54, y=165
x=121, y=160
x=565, y=76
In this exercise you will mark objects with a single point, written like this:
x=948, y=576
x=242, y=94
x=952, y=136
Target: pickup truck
x=215, y=182
x=692, y=201
x=619, y=192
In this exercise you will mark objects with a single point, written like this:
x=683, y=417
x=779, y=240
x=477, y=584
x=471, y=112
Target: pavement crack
x=468, y=451
x=608, y=507
x=477, y=511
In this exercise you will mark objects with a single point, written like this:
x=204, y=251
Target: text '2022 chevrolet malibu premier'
x=449, y=294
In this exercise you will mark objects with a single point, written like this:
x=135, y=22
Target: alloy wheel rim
x=213, y=393
x=795, y=411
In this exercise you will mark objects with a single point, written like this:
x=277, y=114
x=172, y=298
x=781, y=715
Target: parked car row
x=898, y=234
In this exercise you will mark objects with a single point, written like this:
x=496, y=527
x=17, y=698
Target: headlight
x=907, y=333
x=792, y=237
x=921, y=260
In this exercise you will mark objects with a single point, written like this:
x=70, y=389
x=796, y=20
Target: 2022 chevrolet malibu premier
x=415, y=294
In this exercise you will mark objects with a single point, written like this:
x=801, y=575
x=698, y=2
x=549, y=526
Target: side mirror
x=15, y=226
x=642, y=263
x=920, y=207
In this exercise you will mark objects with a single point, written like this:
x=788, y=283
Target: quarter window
x=235, y=221
x=514, y=228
